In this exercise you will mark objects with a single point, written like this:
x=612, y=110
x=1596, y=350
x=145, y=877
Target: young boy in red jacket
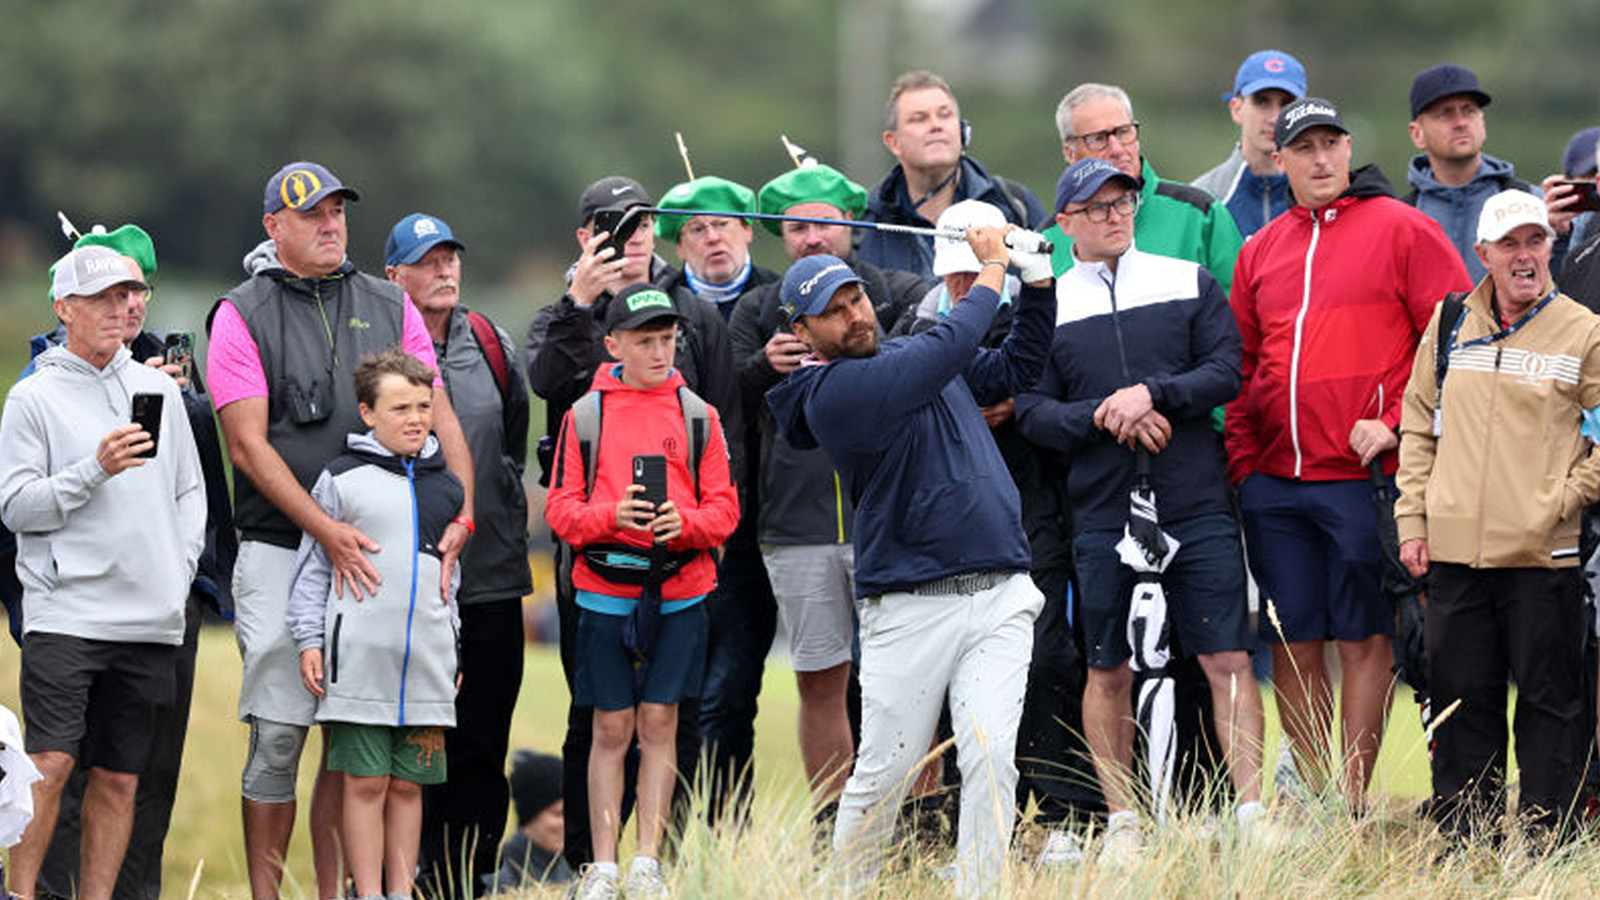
x=642, y=571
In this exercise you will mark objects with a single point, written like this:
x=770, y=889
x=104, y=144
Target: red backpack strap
x=493, y=353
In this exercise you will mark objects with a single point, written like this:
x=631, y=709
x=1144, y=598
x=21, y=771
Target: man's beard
x=863, y=348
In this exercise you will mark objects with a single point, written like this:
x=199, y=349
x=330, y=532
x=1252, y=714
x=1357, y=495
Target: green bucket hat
x=129, y=240
x=811, y=184
x=709, y=193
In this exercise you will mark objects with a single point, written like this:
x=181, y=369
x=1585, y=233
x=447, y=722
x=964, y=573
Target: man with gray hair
x=924, y=131
x=1174, y=219
x=109, y=507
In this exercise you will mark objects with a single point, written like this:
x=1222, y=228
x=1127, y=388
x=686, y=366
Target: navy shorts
x=1204, y=586
x=1314, y=551
x=675, y=669
x=97, y=701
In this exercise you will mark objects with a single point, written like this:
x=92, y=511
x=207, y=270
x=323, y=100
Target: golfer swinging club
x=942, y=586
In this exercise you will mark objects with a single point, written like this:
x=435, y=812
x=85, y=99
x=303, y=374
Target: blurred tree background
x=495, y=113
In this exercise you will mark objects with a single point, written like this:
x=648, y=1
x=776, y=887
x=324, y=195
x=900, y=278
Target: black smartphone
x=650, y=470
x=180, y=352
x=147, y=415
x=620, y=224
x=1588, y=196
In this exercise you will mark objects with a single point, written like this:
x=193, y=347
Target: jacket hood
x=1420, y=172
x=787, y=400
x=263, y=260
x=366, y=446
x=1367, y=181
x=608, y=378
x=60, y=358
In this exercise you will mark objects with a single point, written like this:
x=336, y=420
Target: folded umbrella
x=1148, y=550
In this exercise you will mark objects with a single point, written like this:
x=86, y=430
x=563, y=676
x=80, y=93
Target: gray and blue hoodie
x=389, y=659
x=1456, y=208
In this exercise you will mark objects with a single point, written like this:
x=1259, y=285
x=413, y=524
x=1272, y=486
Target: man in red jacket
x=1330, y=298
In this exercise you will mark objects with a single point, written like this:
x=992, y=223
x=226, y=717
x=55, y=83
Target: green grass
x=1386, y=854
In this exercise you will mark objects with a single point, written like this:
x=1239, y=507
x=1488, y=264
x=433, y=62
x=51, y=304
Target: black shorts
x=95, y=701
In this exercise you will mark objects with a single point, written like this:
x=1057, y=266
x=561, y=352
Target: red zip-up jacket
x=638, y=421
x=1330, y=305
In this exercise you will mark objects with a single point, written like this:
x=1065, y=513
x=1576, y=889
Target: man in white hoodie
x=110, y=522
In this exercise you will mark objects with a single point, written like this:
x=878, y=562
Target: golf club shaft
x=1024, y=241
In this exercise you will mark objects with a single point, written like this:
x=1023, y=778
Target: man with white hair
x=1494, y=474
x=1096, y=120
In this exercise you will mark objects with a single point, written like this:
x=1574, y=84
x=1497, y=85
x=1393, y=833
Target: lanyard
x=1451, y=346
x=1500, y=335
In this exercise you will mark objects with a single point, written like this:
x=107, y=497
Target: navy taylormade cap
x=811, y=283
x=1266, y=69
x=637, y=304
x=1303, y=115
x=302, y=185
x=1442, y=81
x=1081, y=179
x=412, y=237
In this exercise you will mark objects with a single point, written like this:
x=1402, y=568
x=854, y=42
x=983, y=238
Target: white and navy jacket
x=1158, y=321
x=389, y=659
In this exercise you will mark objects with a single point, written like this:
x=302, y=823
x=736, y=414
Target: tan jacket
x=1504, y=482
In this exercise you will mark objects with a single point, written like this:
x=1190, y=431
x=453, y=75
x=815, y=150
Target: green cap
x=810, y=184
x=709, y=193
x=129, y=240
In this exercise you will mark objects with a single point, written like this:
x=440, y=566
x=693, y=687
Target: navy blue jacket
x=891, y=202
x=933, y=497
x=1160, y=321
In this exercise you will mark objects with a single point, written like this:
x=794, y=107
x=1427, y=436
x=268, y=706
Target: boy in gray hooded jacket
x=385, y=667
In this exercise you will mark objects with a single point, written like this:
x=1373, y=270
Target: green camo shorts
x=414, y=754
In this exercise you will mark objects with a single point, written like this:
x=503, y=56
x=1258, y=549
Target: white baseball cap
x=1508, y=210
x=91, y=269
x=954, y=254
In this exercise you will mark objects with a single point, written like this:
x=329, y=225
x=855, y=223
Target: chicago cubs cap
x=1265, y=69
x=302, y=185
x=412, y=237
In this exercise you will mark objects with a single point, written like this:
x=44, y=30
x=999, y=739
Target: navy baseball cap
x=1580, y=156
x=1266, y=69
x=1081, y=179
x=412, y=237
x=1303, y=115
x=811, y=283
x=1442, y=81
x=302, y=185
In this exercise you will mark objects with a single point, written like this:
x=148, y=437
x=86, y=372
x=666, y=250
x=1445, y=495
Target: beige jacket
x=1503, y=482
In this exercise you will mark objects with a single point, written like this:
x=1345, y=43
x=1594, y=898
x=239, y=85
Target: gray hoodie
x=102, y=557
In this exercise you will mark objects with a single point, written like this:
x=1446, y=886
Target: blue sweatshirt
x=933, y=497
x=1456, y=208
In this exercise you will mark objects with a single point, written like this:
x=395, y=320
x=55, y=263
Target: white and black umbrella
x=1148, y=550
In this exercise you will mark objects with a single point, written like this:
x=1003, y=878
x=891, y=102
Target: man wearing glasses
x=1145, y=347
x=1096, y=122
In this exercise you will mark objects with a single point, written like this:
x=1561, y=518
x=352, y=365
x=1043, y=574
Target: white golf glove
x=1031, y=264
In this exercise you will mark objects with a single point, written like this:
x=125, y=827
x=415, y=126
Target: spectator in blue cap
x=464, y=817
x=1452, y=176
x=1248, y=182
x=1562, y=197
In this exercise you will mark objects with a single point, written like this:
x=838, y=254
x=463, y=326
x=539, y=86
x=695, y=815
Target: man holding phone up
x=100, y=510
x=642, y=514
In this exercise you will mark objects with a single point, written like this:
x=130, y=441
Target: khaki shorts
x=270, y=688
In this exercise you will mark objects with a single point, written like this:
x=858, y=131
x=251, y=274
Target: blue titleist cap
x=1081, y=179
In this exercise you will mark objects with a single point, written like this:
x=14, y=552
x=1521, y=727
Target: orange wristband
x=466, y=523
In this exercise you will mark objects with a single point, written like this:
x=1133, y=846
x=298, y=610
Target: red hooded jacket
x=638, y=421
x=1330, y=305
